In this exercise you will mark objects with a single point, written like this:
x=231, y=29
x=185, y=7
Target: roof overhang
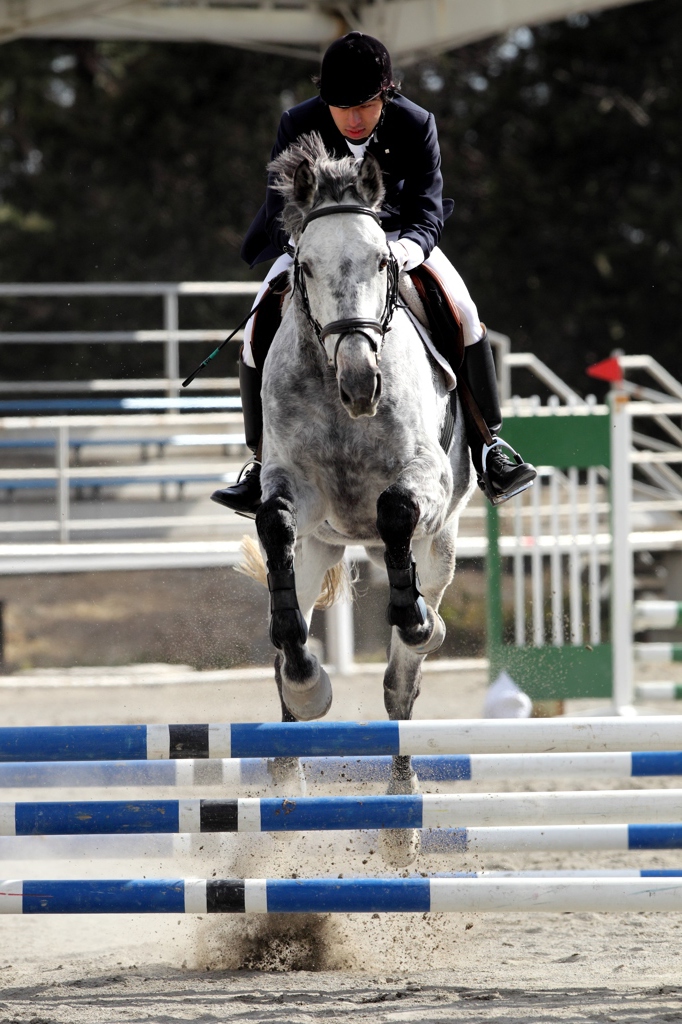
x=410, y=28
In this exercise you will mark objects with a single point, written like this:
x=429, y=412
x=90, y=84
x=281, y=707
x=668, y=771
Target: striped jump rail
x=656, y=615
x=553, y=838
x=658, y=651
x=579, y=872
x=251, y=772
x=660, y=690
x=302, y=814
x=320, y=739
x=434, y=842
x=340, y=895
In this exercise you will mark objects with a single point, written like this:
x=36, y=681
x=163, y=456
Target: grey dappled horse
x=354, y=408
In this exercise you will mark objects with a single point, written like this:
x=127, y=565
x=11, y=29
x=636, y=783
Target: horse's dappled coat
x=342, y=469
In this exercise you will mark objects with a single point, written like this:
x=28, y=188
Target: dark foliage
x=561, y=146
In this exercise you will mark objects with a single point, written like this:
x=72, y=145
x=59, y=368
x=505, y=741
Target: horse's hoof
x=287, y=776
x=403, y=786
x=400, y=846
x=309, y=702
x=437, y=636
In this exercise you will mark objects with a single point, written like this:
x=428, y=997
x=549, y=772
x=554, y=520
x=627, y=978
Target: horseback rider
x=359, y=110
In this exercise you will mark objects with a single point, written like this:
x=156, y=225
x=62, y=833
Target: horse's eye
x=383, y=263
x=305, y=267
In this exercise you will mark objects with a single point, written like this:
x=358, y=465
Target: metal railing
x=170, y=335
x=61, y=474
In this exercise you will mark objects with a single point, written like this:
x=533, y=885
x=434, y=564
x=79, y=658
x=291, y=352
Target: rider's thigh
x=459, y=293
x=280, y=264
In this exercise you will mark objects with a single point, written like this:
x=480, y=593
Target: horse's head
x=345, y=275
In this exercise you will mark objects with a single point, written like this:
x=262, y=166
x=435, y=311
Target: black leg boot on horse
x=501, y=471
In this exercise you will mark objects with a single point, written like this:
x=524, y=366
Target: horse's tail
x=337, y=582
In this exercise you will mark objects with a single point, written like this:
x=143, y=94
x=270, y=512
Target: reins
x=350, y=325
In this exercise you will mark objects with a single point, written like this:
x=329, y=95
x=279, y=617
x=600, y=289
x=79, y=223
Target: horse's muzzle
x=360, y=390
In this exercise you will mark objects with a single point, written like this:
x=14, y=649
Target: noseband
x=351, y=325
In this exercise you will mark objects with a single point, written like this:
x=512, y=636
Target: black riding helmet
x=355, y=69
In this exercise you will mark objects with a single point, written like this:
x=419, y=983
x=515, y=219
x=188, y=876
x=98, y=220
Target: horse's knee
x=397, y=518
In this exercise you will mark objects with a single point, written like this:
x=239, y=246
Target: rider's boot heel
x=244, y=497
x=499, y=476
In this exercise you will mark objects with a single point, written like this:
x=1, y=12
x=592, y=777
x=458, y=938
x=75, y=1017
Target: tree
x=563, y=150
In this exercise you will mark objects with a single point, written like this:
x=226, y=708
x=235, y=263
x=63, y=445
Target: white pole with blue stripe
x=256, y=772
x=303, y=814
x=335, y=895
x=322, y=739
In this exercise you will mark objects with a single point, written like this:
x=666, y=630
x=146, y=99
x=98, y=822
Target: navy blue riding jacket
x=406, y=146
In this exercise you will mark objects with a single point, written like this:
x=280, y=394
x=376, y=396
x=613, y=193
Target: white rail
x=170, y=335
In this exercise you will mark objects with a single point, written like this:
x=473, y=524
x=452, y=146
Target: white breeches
x=438, y=261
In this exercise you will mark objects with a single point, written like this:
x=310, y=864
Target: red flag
x=607, y=369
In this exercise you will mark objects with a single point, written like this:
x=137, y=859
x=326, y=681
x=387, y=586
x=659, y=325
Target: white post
x=621, y=554
x=519, y=579
x=555, y=565
x=536, y=572
x=340, y=637
x=172, y=357
x=595, y=606
x=63, y=481
x=575, y=600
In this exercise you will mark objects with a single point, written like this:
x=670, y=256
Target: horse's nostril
x=345, y=397
x=377, y=388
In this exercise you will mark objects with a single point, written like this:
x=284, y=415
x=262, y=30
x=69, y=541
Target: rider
x=359, y=110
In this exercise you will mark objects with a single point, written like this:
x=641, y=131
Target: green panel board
x=555, y=673
x=560, y=440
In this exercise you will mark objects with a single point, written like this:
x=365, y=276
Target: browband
x=326, y=211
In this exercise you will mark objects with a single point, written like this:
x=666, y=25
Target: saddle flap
x=445, y=323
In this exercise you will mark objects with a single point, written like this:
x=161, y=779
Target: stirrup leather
x=484, y=479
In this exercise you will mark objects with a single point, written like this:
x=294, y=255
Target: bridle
x=366, y=326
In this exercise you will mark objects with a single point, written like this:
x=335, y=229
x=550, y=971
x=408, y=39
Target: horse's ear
x=370, y=181
x=304, y=183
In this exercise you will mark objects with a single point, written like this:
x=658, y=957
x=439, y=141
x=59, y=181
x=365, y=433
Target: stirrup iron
x=253, y=461
x=493, y=498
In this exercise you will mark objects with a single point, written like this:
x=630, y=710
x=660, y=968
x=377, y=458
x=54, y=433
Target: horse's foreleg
x=417, y=630
x=419, y=626
x=304, y=686
x=312, y=561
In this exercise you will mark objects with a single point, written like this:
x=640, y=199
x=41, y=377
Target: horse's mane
x=336, y=179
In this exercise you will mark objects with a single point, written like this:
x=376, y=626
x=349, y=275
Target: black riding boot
x=499, y=476
x=244, y=497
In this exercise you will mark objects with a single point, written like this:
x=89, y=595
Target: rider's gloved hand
x=408, y=254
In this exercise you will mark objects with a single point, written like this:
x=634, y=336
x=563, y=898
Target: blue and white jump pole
x=255, y=772
x=324, y=739
x=302, y=814
x=335, y=895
